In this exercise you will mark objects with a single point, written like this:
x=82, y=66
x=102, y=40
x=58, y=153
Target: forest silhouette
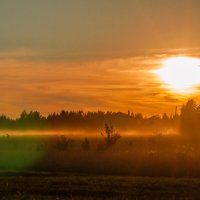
x=187, y=120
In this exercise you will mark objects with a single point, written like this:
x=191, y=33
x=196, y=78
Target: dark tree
x=110, y=134
x=190, y=119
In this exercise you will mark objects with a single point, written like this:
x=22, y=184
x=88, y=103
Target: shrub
x=110, y=134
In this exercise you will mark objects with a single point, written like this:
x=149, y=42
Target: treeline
x=188, y=120
x=89, y=121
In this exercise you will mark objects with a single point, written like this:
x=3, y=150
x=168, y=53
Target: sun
x=180, y=74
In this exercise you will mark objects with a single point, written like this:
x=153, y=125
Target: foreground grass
x=58, y=187
x=169, y=156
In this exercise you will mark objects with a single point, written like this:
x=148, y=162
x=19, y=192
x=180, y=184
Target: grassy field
x=155, y=156
x=68, y=186
x=61, y=167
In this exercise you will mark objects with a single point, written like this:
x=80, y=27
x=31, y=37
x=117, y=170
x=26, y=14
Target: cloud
x=119, y=84
x=17, y=54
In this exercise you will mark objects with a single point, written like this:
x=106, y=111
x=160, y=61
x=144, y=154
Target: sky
x=93, y=54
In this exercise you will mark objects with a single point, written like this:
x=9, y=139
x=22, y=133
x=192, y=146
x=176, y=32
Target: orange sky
x=118, y=84
x=92, y=55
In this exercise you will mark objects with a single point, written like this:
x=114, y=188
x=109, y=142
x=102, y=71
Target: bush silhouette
x=110, y=134
x=86, y=144
x=64, y=143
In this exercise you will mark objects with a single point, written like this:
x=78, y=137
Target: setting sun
x=181, y=74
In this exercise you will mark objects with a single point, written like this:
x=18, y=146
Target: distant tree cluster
x=89, y=121
x=190, y=119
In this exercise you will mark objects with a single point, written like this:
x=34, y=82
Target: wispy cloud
x=119, y=84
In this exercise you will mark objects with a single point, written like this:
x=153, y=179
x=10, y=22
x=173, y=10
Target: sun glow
x=180, y=74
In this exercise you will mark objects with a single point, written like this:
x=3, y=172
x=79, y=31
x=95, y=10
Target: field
x=69, y=186
x=66, y=167
x=154, y=156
